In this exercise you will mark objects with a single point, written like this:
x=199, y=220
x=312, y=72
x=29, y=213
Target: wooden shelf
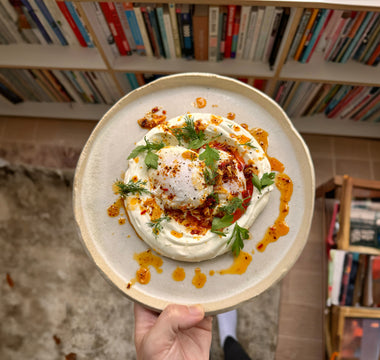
x=50, y=57
x=55, y=110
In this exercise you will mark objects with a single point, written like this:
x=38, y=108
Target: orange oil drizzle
x=178, y=274
x=276, y=164
x=145, y=260
x=231, y=116
x=280, y=227
x=199, y=278
x=200, y=102
x=239, y=265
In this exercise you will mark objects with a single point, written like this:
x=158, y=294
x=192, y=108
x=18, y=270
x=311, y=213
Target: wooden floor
x=57, y=143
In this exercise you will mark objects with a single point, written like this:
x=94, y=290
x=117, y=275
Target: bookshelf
x=101, y=59
x=343, y=323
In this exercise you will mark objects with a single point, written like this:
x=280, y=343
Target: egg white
x=188, y=247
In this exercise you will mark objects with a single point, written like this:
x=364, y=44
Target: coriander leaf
x=156, y=224
x=266, y=180
x=210, y=176
x=131, y=187
x=136, y=151
x=221, y=223
x=151, y=160
x=234, y=204
x=210, y=156
x=238, y=235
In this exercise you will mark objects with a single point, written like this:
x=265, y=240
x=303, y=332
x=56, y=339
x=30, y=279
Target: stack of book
x=353, y=279
x=340, y=34
x=302, y=98
x=84, y=87
x=42, y=22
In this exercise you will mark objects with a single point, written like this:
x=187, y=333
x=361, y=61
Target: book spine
x=273, y=30
x=51, y=21
x=114, y=24
x=235, y=32
x=68, y=86
x=132, y=20
x=213, y=50
x=66, y=13
x=150, y=31
x=169, y=33
x=250, y=31
x=186, y=22
x=132, y=80
x=102, y=88
x=279, y=36
x=230, y=28
x=162, y=31
x=256, y=33
x=174, y=25
x=94, y=89
x=264, y=32
x=125, y=25
x=371, y=103
x=299, y=32
x=344, y=102
x=223, y=31
x=305, y=35
x=242, y=36
x=37, y=21
x=156, y=32
x=78, y=21
x=143, y=31
x=345, y=279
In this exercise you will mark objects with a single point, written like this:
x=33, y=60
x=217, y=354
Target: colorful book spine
x=51, y=21
x=187, y=32
x=132, y=80
x=66, y=13
x=279, y=36
x=174, y=25
x=80, y=25
x=235, y=32
x=213, y=41
x=305, y=35
x=162, y=30
x=169, y=32
x=114, y=24
x=125, y=25
x=143, y=30
x=150, y=31
x=230, y=29
x=136, y=33
x=156, y=31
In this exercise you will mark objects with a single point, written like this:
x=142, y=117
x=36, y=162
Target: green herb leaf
x=210, y=156
x=234, y=204
x=210, y=176
x=238, y=235
x=249, y=145
x=131, y=187
x=156, y=225
x=266, y=180
x=220, y=223
x=151, y=159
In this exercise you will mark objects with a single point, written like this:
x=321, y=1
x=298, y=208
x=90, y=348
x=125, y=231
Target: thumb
x=175, y=318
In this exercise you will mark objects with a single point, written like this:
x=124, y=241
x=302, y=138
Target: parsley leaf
x=234, y=204
x=266, y=180
x=131, y=187
x=151, y=159
x=156, y=224
x=210, y=176
x=210, y=156
x=238, y=235
x=220, y=223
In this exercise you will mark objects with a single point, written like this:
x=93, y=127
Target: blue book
x=323, y=15
x=156, y=31
x=73, y=80
x=37, y=21
x=187, y=32
x=79, y=23
x=357, y=37
x=161, y=24
x=131, y=17
x=132, y=80
x=337, y=98
x=51, y=21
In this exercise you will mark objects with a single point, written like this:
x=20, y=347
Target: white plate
x=103, y=160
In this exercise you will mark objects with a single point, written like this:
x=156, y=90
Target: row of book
x=340, y=34
x=43, y=22
x=353, y=279
x=302, y=98
x=84, y=87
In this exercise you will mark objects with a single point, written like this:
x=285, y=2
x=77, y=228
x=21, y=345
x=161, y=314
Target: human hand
x=180, y=333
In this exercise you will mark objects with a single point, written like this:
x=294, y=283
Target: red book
x=259, y=84
x=70, y=20
x=230, y=28
x=110, y=14
x=367, y=107
x=374, y=56
x=345, y=278
x=345, y=101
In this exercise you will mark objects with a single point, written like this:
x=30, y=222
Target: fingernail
x=196, y=310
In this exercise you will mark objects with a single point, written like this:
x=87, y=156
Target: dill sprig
x=156, y=224
x=131, y=187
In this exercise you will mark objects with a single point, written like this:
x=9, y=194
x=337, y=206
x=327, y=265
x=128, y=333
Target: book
x=114, y=24
x=229, y=30
x=250, y=31
x=351, y=280
x=57, y=87
x=162, y=30
x=201, y=32
x=369, y=32
x=328, y=29
x=338, y=259
x=265, y=29
x=359, y=281
x=150, y=31
x=223, y=17
x=309, y=99
x=370, y=101
x=169, y=32
x=355, y=90
x=125, y=26
x=10, y=95
x=245, y=12
x=132, y=80
x=341, y=93
x=373, y=58
x=143, y=30
x=305, y=35
x=285, y=92
x=367, y=298
x=372, y=43
x=187, y=31
x=273, y=29
x=291, y=95
x=345, y=278
x=68, y=86
x=299, y=32
x=278, y=37
x=133, y=25
x=175, y=31
x=256, y=33
x=51, y=22
x=213, y=33
x=65, y=11
x=10, y=23
x=376, y=281
x=151, y=9
x=78, y=21
x=315, y=34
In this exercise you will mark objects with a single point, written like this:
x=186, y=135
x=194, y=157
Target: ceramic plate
x=104, y=159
